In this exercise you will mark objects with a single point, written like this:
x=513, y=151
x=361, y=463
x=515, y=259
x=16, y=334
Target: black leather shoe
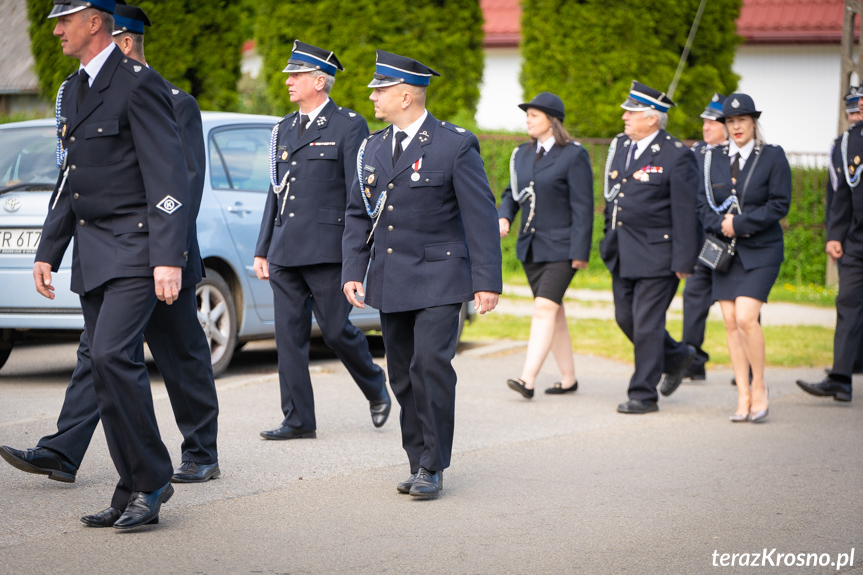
x=380, y=409
x=695, y=372
x=143, y=508
x=191, y=472
x=288, y=432
x=105, y=518
x=405, y=486
x=829, y=386
x=558, y=389
x=637, y=406
x=518, y=385
x=42, y=461
x=673, y=378
x=427, y=484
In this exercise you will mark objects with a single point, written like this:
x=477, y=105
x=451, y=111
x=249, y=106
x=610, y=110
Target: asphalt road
x=552, y=485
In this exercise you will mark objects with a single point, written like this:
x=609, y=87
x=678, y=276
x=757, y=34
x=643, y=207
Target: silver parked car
x=234, y=306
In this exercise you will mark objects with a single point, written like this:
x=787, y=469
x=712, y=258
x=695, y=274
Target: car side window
x=239, y=159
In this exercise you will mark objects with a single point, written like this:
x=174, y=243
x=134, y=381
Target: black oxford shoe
x=405, y=486
x=637, y=406
x=673, y=378
x=42, y=461
x=380, y=409
x=829, y=386
x=288, y=432
x=105, y=518
x=191, y=472
x=695, y=372
x=427, y=483
x=143, y=508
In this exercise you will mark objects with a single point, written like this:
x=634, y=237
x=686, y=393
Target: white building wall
x=797, y=89
x=500, y=91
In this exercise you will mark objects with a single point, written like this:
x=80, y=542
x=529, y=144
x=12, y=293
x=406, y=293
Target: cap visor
x=375, y=83
x=64, y=10
x=291, y=67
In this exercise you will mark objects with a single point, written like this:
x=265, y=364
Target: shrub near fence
x=805, y=260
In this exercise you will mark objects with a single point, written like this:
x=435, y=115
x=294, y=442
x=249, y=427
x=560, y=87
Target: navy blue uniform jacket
x=437, y=241
x=125, y=158
x=188, y=116
x=323, y=165
x=766, y=201
x=654, y=231
x=845, y=220
x=562, y=224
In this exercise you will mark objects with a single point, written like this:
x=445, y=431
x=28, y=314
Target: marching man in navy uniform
x=313, y=164
x=174, y=335
x=123, y=193
x=697, y=292
x=650, y=241
x=845, y=246
x=421, y=217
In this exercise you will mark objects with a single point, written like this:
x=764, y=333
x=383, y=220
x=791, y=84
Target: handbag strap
x=733, y=200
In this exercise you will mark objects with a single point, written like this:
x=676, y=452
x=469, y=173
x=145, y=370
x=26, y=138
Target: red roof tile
x=502, y=24
x=795, y=21
x=760, y=21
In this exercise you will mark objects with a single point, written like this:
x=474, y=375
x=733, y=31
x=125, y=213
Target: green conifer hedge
x=589, y=51
x=446, y=35
x=195, y=45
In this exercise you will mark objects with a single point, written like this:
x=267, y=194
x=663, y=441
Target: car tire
x=6, y=344
x=218, y=317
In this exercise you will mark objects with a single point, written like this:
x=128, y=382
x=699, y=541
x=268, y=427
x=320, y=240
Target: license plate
x=19, y=241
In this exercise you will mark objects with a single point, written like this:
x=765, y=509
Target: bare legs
x=746, y=348
x=548, y=332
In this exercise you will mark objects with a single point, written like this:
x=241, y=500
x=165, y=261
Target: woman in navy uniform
x=550, y=177
x=744, y=192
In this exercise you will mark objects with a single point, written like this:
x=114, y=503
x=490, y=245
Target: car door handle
x=239, y=209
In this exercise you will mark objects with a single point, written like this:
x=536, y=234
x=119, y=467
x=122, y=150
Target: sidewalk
x=599, y=304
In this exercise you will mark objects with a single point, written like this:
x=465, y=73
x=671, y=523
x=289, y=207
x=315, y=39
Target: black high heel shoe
x=518, y=385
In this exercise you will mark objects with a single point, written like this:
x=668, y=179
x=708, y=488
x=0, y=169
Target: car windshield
x=27, y=158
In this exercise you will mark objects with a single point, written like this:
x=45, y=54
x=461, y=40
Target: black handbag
x=716, y=254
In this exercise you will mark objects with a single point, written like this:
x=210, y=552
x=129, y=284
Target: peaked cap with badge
x=739, y=104
x=713, y=111
x=66, y=7
x=642, y=97
x=392, y=69
x=128, y=18
x=308, y=58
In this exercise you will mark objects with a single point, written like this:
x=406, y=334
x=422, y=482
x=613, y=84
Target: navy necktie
x=303, y=121
x=631, y=155
x=397, y=151
x=83, y=86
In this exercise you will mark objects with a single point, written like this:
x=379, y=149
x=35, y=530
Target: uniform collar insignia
x=423, y=137
x=321, y=121
x=654, y=148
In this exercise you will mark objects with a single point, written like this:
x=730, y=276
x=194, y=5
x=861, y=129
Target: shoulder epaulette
x=453, y=128
x=348, y=113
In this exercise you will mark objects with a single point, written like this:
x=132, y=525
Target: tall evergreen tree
x=443, y=34
x=589, y=51
x=194, y=45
